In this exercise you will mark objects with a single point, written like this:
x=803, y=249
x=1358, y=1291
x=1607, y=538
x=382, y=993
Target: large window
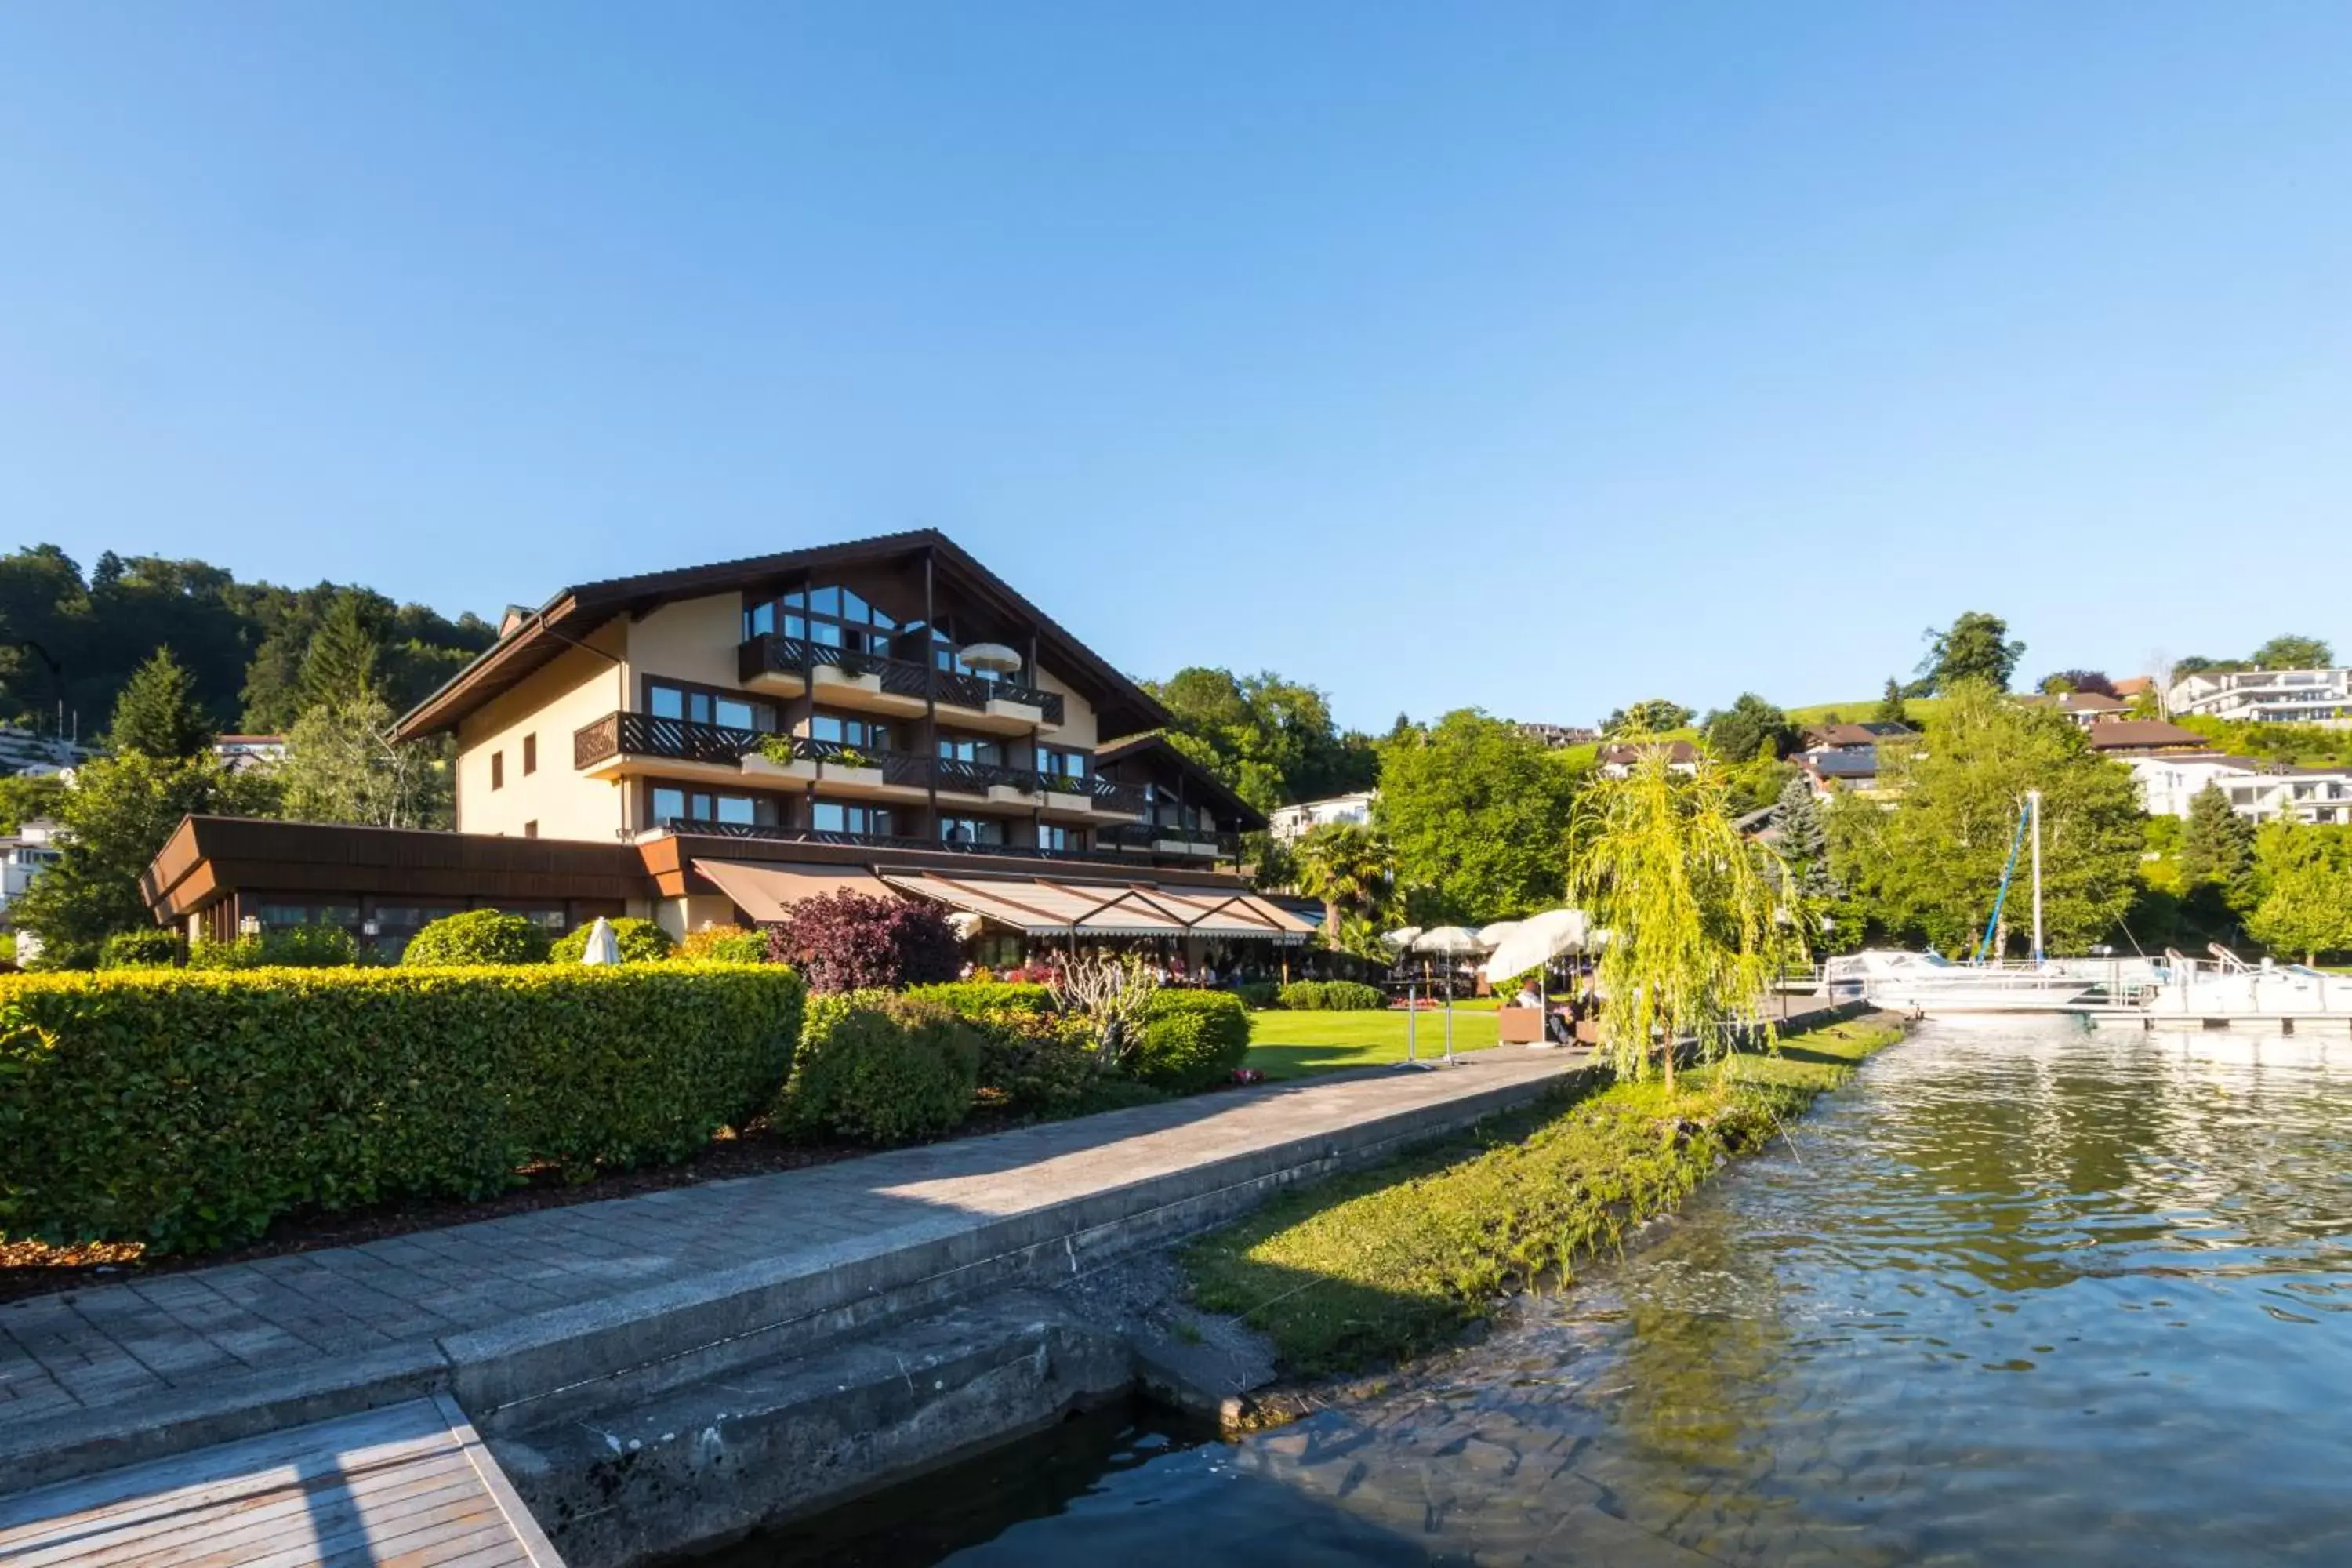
x=865, y=734
x=672, y=803
x=954, y=830
x=700, y=705
x=1062, y=764
x=840, y=816
x=973, y=749
x=835, y=616
x=1053, y=835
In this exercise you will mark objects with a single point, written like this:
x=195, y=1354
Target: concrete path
x=406, y=1487
x=518, y=1315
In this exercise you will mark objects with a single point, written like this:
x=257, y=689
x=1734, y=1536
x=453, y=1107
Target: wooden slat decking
x=410, y=1485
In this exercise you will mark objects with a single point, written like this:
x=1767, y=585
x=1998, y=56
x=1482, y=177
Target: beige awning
x=1038, y=906
x=766, y=892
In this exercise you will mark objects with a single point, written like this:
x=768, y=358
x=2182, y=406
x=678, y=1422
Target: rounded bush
x=310, y=947
x=139, y=949
x=1031, y=1054
x=1332, y=997
x=640, y=942
x=725, y=944
x=1192, y=1040
x=881, y=1069
x=478, y=936
x=854, y=941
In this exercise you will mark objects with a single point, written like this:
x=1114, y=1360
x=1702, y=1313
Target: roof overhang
x=572, y=615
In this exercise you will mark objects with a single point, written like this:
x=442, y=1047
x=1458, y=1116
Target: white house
x=2168, y=783
x=24, y=856
x=249, y=754
x=2266, y=696
x=1292, y=823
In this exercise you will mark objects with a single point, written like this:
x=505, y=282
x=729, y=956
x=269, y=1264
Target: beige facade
x=534, y=723
x=693, y=640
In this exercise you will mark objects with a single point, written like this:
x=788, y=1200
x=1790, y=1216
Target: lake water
x=2022, y=1292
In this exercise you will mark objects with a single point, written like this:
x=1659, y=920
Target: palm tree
x=1348, y=866
x=1688, y=905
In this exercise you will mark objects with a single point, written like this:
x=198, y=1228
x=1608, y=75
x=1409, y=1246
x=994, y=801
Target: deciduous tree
x=2293, y=653
x=1475, y=813
x=1651, y=716
x=1689, y=905
x=2307, y=907
x=1740, y=732
x=342, y=765
x=1929, y=867
x=1976, y=646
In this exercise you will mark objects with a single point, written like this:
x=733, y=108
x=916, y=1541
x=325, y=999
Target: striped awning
x=1040, y=906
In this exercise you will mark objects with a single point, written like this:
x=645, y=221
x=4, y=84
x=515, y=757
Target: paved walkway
x=506, y=1309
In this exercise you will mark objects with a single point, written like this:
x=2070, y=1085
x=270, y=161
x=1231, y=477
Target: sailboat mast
x=2034, y=805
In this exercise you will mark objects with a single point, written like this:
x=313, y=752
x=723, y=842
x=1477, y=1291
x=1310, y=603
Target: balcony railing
x=1151, y=835
x=642, y=734
x=882, y=841
x=773, y=655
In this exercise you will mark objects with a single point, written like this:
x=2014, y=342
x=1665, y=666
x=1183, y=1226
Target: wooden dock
x=410, y=1485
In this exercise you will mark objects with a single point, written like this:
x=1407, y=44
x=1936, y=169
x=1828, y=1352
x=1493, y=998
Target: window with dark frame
x=497, y=769
x=530, y=754
x=530, y=829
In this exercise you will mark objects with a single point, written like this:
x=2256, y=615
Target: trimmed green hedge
x=1192, y=1040
x=1030, y=1052
x=188, y=1110
x=155, y=949
x=478, y=936
x=640, y=942
x=881, y=1067
x=1332, y=997
x=724, y=944
x=1259, y=992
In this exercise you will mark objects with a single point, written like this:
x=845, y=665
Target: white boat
x=1931, y=983
x=2228, y=988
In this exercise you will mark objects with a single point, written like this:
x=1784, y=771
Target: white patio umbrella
x=1401, y=938
x=603, y=947
x=1536, y=942
x=1490, y=936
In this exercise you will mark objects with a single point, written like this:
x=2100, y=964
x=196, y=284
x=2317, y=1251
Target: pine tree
x=341, y=666
x=2217, y=848
x=157, y=714
x=1891, y=709
x=1803, y=840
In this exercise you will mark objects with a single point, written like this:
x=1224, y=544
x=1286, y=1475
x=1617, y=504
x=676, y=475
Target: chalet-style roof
x=1849, y=763
x=530, y=641
x=1155, y=745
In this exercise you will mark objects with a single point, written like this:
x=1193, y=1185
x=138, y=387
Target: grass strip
x=1378, y=1266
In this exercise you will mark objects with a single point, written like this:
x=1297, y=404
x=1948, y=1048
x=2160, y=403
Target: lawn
x=1382, y=1263
x=1294, y=1044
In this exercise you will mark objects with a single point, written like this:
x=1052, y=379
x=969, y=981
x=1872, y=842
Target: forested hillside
x=260, y=654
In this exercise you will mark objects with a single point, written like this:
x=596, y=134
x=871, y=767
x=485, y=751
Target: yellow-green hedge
x=188, y=1108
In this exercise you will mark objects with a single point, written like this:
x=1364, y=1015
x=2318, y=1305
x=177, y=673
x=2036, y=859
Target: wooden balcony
x=626, y=745
x=869, y=683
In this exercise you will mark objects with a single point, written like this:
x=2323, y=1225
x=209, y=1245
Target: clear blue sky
x=1536, y=358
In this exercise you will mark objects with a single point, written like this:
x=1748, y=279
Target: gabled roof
x=531, y=641
x=1627, y=751
x=1849, y=763
x=1868, y=734
x=2078, y=701
x=1154, y=744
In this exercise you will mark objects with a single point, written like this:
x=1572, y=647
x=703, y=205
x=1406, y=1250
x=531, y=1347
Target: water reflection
x=2024, y=1293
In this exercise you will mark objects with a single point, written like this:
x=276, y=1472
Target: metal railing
x=881, y=840
x=771, y=654
x=1151, y=835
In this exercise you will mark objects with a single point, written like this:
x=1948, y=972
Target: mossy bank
x=1369, y=1269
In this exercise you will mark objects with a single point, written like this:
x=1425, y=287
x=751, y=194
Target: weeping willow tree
x=1691, y=908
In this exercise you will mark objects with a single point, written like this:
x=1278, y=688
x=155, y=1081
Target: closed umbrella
x=1449, y=942
x=603, y=947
